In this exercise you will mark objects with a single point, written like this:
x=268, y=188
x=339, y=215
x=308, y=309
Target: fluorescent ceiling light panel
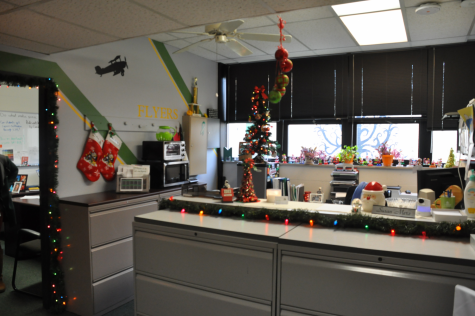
x=365, y=7
x=376, y=28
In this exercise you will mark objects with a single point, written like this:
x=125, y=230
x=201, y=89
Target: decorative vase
x=350, y=161
x=387, y=160
x=309, y=161
x=306, y=196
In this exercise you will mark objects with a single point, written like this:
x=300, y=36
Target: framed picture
x=316, y=198
x=23, y=179
x=16, y=187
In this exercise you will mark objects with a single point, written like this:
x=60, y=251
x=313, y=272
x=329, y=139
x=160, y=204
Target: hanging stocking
x=109, y=155
x=92, y=151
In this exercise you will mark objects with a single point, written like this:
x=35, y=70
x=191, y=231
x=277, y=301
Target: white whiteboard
x=19, y=137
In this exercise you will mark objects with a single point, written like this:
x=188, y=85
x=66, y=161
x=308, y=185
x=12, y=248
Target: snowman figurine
x=226, y=185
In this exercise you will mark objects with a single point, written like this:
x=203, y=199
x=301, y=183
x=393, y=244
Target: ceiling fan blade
x=185, y=32
x=184, y=49
x=238, y=48
x=231, y=26
x=263, y=37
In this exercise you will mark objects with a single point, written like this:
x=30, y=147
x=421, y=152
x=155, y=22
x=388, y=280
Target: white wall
x=146, y=82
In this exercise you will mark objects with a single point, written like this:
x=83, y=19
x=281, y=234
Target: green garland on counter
x=49, y=201
x=354, y=220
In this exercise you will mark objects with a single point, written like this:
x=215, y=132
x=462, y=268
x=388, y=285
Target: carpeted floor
x=29, y=278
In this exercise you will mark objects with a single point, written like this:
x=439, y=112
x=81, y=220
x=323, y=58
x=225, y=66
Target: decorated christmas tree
x=257, y=135
x=246, y=192
x=451, y=161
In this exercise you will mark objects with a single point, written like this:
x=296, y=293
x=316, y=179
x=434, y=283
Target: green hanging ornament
x=275, y=96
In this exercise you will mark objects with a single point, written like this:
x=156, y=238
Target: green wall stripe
x=173, y=71
x=42, y=68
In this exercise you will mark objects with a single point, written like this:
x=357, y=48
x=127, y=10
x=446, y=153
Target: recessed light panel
x=365, y=7
x=376, y=28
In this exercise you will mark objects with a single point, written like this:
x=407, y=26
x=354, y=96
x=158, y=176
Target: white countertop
x=449, y=248
x=324, y=208
x=226, y=224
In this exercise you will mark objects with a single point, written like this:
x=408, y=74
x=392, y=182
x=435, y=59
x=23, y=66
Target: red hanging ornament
x=281, y=54
x=286, y=65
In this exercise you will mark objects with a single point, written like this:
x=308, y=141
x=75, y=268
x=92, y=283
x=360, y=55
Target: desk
x=28, y=216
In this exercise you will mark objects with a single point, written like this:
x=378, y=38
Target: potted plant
x=387, y=155
x=308, y=153
x=348, y=153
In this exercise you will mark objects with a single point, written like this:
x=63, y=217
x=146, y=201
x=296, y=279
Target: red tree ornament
x=286, y=65
x=281, y=54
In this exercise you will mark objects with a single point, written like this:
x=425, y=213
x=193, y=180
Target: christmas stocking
x=109, y=155
x=89, y=159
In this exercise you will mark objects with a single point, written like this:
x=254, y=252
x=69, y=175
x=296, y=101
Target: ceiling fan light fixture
x=221, y=38
x=428, y=8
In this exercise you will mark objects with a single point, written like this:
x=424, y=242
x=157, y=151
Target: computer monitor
x=440, y=179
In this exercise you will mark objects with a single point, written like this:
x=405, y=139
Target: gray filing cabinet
x=317, y=277
x=182, y=268
x=97, y=247
x=195, y=132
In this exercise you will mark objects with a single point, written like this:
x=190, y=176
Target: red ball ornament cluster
x=284, y=64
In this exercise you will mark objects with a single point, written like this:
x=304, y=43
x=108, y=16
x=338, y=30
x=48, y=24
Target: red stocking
x=92, y=151
x=109, y=155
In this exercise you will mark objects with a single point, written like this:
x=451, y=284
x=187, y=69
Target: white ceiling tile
x=192, y=12
x=30, y=45
x=440, y=41
x=321, y=34
x=29, y=25
x=255, y=22
x=471, y=37
x=162, y=37
x=473, y=30
x=179, y=44
x=271, y=47
x=416, y=3
x=197, y=29
x=21, y=2
x=451, y=21
x=385, y=46
x=289, y=5
x=340, y=50
x=119, y=18
x=305, y=15
x=6, y=6
x=303, y=54
x=228, y=61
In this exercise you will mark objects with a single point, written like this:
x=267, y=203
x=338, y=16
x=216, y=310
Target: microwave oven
x=168, y=173
x=163, y=150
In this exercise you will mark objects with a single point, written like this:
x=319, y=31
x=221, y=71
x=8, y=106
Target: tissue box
x=446, y=215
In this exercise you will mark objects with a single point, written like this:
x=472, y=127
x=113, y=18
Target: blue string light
x=335, y=222
x=220, y=210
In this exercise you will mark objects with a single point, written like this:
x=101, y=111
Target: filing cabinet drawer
x=113, y=290
x=109, y=226
x=161, y=298
x=111, y=258
x=228, y=268
x=359, y=290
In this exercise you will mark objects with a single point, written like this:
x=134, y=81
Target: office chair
x=32, y=245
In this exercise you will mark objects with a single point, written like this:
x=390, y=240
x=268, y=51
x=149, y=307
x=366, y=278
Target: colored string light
x=366, y=226
x=183, y=210
x=458, y=228
x=201, y=212
x=393, y=231
x=267, y=217
x=335, y=222
x=220, y=210
x=242, y=215
x=311, y=222
x=286, y=221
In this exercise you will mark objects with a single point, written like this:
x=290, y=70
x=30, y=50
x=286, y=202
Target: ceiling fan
x=226, y=33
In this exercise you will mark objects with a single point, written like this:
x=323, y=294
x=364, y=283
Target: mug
x=446, y=202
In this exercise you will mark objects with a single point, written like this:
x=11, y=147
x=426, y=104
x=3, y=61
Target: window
x=403, y=137
x=326, y=137
x=442, y=141
x=236, y=133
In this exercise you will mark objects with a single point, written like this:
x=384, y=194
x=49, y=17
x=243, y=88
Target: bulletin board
x=19, y=137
